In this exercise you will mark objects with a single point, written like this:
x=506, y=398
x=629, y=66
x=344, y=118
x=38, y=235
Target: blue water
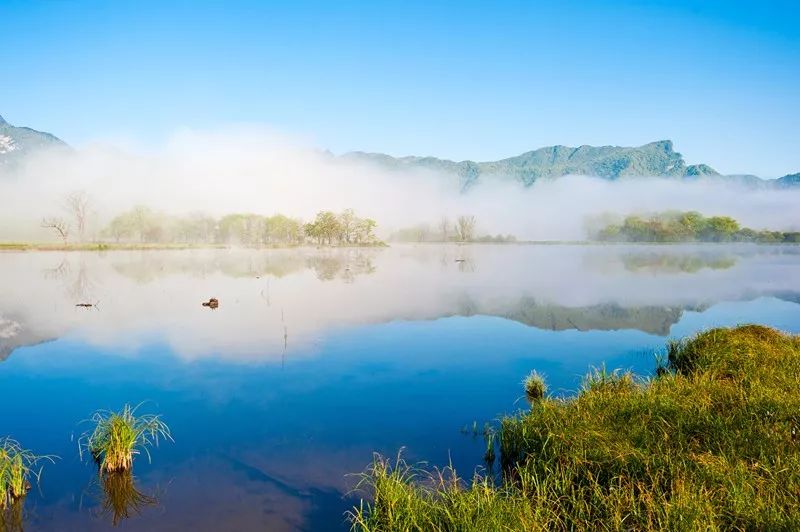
x=267, y=441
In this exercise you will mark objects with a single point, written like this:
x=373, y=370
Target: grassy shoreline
x=711, y=443
x=107, y=246
x=112, y=246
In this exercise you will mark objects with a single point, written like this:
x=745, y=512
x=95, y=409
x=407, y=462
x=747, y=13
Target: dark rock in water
x=211, y=303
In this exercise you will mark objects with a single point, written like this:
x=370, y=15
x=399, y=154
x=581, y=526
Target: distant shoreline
x=103, y=246
x=106, y=246
x=599, y=243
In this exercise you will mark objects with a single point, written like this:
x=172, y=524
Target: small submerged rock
x=211, y=303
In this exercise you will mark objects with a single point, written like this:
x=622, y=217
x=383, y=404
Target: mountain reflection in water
x=292, y=296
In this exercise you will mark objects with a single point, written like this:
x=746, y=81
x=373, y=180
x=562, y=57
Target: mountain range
x=656, y=159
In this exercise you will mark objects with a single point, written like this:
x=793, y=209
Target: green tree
x=328, y=226
x=282, y=229
x=122, y=227
x=143, y=221
x=720, y=228
x=364, y=230
x=233, y=228
x=348, y=222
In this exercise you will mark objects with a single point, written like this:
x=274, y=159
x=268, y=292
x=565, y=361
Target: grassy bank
x=711, y=443
x=95, y=246
x=111, y=246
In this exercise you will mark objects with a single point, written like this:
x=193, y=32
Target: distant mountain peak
x=17, y=142
x=700, y=170
x=664, y=145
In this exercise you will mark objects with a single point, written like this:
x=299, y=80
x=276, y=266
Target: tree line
x=329, y=228
x=462, y=229
x=688, y=226
x=144, y=225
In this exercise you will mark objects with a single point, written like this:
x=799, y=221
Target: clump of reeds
x=535, y=387
x=17, y=468
x=119, y=436
x=712, y=443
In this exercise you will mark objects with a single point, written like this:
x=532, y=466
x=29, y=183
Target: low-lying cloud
x=262, y=171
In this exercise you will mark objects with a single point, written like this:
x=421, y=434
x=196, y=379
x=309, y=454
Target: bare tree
x=465, y=228
x=77, y=204
x=59, y=226
x=444, y=227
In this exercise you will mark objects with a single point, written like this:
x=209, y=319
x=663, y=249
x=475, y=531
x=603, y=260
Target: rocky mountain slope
x=18, y=142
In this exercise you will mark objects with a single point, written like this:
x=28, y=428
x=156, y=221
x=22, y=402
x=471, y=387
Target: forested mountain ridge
x=656, y=159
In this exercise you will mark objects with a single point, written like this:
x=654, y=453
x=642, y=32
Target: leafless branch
x=58, y=225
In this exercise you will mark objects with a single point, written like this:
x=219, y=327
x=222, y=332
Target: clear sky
x=477, y=80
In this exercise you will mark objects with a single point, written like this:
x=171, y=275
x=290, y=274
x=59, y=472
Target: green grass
x=711, y=443
x=101, y=246
x=119, y=436
x=135, y=246
x=535, y=387
x=17, y=468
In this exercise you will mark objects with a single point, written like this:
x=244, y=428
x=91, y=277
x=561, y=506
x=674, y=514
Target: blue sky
x=453, y=79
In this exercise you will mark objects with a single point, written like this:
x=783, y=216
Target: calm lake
x=316, y=358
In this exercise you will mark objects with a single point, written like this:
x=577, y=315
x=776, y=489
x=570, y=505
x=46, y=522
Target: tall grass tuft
x=712, y=443
x=535, y=387
x=17, y=468
x=119, y=436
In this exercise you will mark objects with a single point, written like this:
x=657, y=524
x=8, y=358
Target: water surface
x=317, y=358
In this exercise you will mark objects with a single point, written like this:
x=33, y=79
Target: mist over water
x=262, y=171
x=278, y=301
